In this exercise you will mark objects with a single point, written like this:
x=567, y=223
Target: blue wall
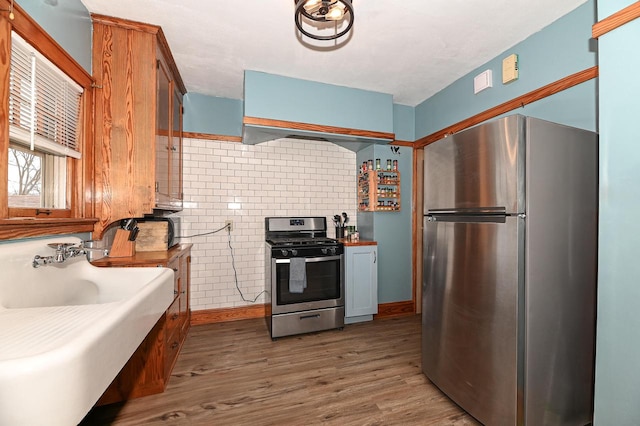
x=212, y=115
x=557, y=51
x=404, y=122
x=291, y=99
x=68, y=23
x=392, y=230
x=617, y=385
x=223, y=116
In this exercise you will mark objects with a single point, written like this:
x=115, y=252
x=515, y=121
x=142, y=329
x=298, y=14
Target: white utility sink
x=67, y=329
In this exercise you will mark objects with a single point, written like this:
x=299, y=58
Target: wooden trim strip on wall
x=211, y=137
x=316, y=128
x=616, y=20
x=396, y=309
x=416, y=227
x=403, y=143
x=520, y=101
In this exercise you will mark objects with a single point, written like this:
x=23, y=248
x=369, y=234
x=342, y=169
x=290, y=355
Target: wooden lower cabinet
x=149, y=368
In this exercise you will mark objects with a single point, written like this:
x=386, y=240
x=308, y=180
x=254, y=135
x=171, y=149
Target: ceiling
x=408, y=48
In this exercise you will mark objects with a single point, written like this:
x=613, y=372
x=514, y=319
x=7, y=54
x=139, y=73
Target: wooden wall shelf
x=379, y=190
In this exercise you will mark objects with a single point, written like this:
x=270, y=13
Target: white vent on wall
x=482, y=81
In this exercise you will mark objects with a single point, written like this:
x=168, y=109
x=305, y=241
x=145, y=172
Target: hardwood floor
x=234, y=374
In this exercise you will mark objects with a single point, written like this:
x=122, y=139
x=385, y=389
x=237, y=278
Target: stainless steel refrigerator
x=509, y=291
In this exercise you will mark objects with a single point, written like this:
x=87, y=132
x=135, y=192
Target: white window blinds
x=44, y=103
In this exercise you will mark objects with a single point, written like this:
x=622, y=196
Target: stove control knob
x=332, y=250
x=284, y=252
x=324, y=250
x=294, y=252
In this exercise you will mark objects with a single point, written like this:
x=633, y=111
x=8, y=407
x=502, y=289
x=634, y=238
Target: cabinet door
x=175, y=164
x=125, y=66
x=361, y=280
x=185, y=263
x=163, y=126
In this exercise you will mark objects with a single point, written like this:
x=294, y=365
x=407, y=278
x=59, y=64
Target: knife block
x=121, y=246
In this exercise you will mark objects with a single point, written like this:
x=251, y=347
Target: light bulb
x=336, y=13
x=312, y=6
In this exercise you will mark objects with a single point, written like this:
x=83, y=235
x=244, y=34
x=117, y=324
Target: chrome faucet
x=63, y=252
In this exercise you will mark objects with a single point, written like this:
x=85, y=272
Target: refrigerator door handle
x=489, y=218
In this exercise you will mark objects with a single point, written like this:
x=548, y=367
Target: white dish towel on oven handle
x=297, y=275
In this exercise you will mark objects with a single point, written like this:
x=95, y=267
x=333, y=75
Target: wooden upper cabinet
x=138, y=158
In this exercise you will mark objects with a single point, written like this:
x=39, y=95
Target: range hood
x=281, y=107
x=255, y=130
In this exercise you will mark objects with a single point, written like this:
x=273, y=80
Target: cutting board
x=153, y=236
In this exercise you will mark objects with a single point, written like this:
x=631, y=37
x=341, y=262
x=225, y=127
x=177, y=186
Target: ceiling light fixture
x=321, y=15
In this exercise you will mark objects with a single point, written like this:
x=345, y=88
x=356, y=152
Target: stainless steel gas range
x=304, y=276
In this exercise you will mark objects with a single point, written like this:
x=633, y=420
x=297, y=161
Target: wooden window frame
x=19, y=222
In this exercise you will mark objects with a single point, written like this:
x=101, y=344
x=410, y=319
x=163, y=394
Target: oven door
x=325, y=285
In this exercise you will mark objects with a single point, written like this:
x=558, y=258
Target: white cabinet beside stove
x=361, y=282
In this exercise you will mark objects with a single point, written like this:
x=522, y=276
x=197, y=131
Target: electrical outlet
x=229, y=224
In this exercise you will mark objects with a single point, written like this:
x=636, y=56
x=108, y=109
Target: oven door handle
x=312, y=259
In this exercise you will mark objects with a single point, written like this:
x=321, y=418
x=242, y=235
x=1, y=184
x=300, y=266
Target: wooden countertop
x=361, y=242
x=143, y=257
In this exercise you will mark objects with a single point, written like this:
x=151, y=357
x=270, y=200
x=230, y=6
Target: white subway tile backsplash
x=246, y=183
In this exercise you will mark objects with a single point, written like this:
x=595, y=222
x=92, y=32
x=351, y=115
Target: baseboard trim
x=395, y=309
x=211, y=316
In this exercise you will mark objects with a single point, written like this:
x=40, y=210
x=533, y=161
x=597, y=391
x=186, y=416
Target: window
x=46, y=146
x=25, y=177
x=44, y=113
